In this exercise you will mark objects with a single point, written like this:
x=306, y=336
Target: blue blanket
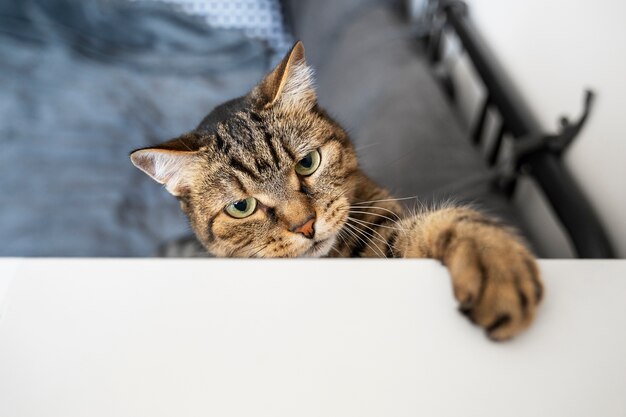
x=82, y=83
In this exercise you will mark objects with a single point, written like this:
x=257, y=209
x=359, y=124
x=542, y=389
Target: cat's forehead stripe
x=255, y=117
x=288, y=151
x=270, y=145
x=248, y=146
x=221, y=144
x=263, y=132
x=238, y=165
x=270, y=140
x=239, y=184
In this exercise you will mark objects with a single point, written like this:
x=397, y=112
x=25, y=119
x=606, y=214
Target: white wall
x=553, y=50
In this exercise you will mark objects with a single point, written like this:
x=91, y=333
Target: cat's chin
x=320, y=248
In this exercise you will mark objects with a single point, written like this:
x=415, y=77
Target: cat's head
x=267, y=175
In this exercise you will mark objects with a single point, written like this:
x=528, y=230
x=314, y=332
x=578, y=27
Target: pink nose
x=307, y=228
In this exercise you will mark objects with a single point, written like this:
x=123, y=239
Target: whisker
x=381, y=238
x=355, y=236
x=374, y=214
x=260, y=248
x=379, y=225
x=358, y=231
x=343, y=238
x=387, y=199
x=367, y=239
x=351, y=236
x=183, y=142
x=341, y=194
x=369, y=145
x=377, y=207
x=337, y=251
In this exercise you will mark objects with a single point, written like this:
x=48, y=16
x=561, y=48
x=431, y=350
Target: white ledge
x=123, y=337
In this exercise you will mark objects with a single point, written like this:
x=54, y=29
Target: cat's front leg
x=495, y=278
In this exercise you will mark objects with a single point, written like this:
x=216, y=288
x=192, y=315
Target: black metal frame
x=536, y=153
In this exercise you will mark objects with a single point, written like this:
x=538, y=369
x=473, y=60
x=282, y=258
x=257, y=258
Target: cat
x=270, y=174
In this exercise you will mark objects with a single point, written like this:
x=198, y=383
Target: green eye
x=309, y=163
x=242, y=208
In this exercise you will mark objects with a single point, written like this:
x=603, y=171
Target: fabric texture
x=81, y=85
x=257, y=19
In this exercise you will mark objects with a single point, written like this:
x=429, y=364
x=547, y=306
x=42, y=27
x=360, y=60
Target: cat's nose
x=307, y=228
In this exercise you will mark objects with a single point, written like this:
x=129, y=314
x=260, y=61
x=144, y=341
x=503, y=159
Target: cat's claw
x=498, y=288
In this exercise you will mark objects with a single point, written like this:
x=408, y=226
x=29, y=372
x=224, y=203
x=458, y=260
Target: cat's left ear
x=173, y=168
x=290, y=84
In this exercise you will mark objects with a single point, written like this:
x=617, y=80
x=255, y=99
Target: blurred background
x=82, y=83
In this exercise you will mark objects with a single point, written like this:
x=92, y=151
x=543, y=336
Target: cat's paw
x=495, y=280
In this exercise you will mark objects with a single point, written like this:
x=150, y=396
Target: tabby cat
x=270, y=174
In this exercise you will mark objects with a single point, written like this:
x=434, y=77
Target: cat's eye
x=309, y=163
x=242, y=208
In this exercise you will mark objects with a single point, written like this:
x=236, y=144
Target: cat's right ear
x=290, y=84
x=172, y=168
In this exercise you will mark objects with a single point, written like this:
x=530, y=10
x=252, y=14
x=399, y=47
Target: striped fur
x=250, y=146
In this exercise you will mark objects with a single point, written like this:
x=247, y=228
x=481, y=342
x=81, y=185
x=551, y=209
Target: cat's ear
x=290, y=83
x=173, y=168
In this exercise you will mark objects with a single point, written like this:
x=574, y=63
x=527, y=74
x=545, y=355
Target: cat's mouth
x=319, y=248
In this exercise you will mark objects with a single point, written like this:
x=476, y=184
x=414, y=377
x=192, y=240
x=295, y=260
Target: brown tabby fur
x=250, y=146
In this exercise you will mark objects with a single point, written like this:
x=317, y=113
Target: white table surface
x=317, y=338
